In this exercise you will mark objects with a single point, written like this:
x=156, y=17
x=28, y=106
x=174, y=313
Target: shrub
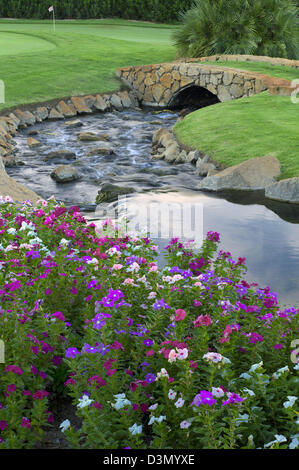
x=268, y=27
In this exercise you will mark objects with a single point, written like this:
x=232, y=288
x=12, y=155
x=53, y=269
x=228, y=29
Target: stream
x=266, y=233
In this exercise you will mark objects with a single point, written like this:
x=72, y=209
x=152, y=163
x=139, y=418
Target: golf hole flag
x=52, y=9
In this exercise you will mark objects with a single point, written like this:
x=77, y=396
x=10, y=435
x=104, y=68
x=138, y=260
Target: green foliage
x=261, y=27
x=150, y=10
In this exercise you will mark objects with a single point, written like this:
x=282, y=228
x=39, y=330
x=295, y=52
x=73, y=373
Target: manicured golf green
x=12, y=43
x=81, y=57
x=234, y=131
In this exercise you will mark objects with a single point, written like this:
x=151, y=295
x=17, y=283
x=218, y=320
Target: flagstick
x=53, y=21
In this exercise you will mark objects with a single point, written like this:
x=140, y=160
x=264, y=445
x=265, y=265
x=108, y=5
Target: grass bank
x=279, y=71
x=237, y=130
x=79, y=58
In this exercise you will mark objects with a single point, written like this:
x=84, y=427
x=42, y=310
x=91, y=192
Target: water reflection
x=269, y=243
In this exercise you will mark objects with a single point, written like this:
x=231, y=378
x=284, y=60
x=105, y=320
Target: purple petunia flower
x=204, y=398
x=160, y=304
x=72, y=352
x=149, y=378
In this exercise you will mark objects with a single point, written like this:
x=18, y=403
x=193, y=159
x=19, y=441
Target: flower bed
x=192, y=356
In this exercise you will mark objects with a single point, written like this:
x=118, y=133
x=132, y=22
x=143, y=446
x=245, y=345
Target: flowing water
x=264, y=232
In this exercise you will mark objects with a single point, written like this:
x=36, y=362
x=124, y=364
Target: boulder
x=15, y=120
x=32, y=132
x=110, y=192
x=54, y=114
x=193, y=156
x=101, y=104
x=26, y=118
x=181, y=158
x=60, y=154
x=90, y=136
x=253, y=174
x=203, y=167
x=116, y=102
x=125, y=99
x=74, y=123
x=90, y=101
x=80, y=105
x=41, y=113
x=285, y=190
x=101, y=150
x=31, y=142
x=11, y=161
x=18, y=192
x=163, y=137
x=65, y=174
x=172, y=152
x=65, y=109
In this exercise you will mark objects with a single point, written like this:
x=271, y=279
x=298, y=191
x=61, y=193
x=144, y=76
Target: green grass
x=82, y=56
x=288, y=73
x=12, y=44
x=237, y=130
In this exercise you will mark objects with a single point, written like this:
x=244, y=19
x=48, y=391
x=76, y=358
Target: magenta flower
x=11, y=388
x=234, y=398
x=40, y=394
x=204, y=398
x=3, y=425
x=213, y=236
x=14, y=369
x=58, y=315
x=204, y=320
x=180, y=314
x=25, y=423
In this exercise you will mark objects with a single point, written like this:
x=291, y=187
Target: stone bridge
x=170, y=84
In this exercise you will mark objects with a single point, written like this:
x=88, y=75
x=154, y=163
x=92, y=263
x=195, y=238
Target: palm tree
x=265, y=27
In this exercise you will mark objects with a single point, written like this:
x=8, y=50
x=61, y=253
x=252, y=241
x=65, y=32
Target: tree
x=262, y=27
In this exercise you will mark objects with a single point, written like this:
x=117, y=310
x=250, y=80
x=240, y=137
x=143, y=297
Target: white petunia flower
x=217, y=392
x=279, y=439
x=135, y=429
x=245, y=376
x=280, y=371
x=153, y=407
x=84, y=401
x=295, y=441
x=256, y=366
x=290, y=402
x=179, y=403
x=65, y=425
x=185, y=424
x=242, y=419
x=171, y=394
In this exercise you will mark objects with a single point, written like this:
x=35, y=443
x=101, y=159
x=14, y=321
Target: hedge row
x=149, y=10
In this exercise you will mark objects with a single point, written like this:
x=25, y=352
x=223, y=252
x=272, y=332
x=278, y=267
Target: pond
x=265, y=233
